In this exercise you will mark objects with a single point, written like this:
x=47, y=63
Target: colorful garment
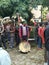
x=24, y=31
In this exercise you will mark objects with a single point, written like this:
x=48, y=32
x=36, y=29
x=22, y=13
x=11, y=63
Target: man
x=17, y=38
x=7, y=29
x=46, y=34
x=2, y=35
x=36, y=32
x=12, y=35
x=47, y=42
x=24, y=31
x=40, y=36
x=4, y=57
x=47, y=39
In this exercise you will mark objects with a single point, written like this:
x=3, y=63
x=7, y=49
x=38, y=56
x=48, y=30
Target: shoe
x=39, y=48
x=10, y=47
x=45, y=63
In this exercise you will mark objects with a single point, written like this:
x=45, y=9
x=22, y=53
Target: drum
x=24, y=47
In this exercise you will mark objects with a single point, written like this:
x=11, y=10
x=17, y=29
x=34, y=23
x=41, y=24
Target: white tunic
x=24, y=30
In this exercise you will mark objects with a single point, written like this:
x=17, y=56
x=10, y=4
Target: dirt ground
x=34, y=57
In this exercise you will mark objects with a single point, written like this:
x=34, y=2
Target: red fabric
x=41, y=33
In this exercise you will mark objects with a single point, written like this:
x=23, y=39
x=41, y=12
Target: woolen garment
x=4, y=57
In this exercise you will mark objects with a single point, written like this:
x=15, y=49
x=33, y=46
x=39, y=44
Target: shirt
x=8, y=28
x=24, y=30
x=4, y=57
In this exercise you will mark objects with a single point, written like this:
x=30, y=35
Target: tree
x=45, y=8
x=24, y=7
x=6, y=8
x=10, y=7
x=44, y=12
x=46, y=3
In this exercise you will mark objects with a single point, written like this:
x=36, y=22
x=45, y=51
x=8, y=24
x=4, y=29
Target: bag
x=47, y=44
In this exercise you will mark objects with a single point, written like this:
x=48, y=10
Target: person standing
x=36, y=32
x=39, y=44
x=17, y=38
x=2, y=35
x=12, y=35
x=42, y=34
x=46, y=34
x=24, y=31
x=4, y=57
x=8, y=31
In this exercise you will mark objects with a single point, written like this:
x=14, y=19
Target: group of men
x=8, y=31
x=11, y=33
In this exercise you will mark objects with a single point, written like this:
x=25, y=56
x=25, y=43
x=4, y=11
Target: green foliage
x=37, y=2
x=6, y=8
x=10, y=7
x=45, y=8
x=44, y=12
x=46, y=3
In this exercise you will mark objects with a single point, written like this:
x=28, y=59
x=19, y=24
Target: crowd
x=10, y=33
x=42, y=39
x=39, y=34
